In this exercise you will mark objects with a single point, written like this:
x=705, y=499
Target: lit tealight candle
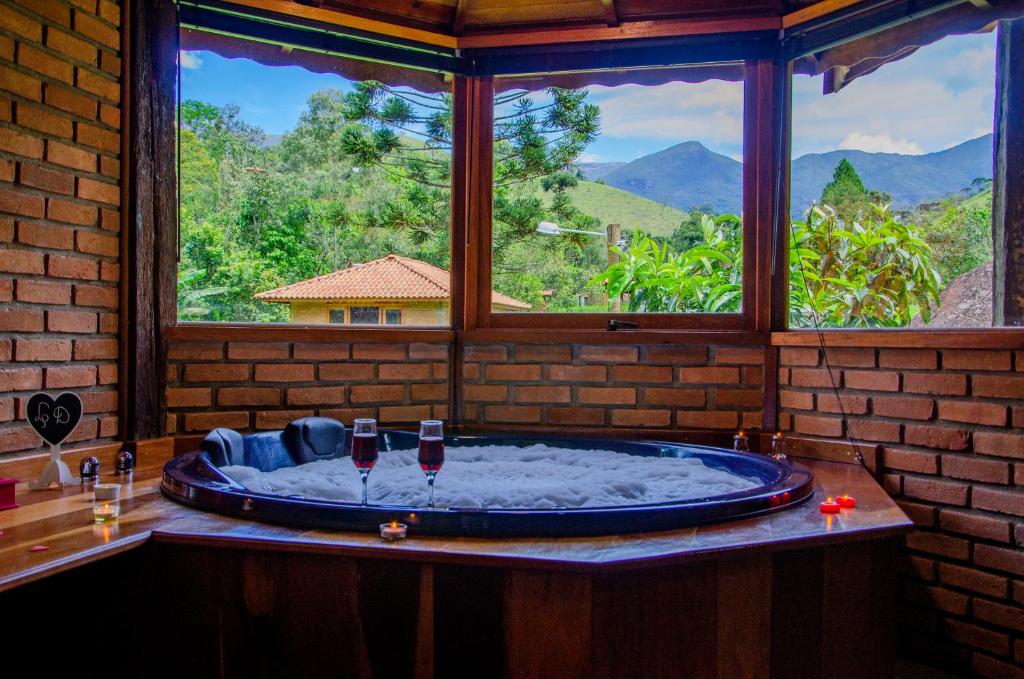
x=106, y=511
x=106, y=505
x=392, y=532
x=829, y=506
x=741, y=442
x=846, y=502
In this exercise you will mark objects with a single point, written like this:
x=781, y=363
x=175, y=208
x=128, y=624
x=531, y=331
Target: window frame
x=784, y=334
x=754, y=223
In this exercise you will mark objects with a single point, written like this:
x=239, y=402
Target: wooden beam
x=815, y=11
x=459, y=20
x=611, y=16
x=150, y=233
x=338, y=18
x=1008, y=178
x=625, y=31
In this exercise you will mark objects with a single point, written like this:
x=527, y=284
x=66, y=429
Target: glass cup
x=431, y=452
x=364, y=448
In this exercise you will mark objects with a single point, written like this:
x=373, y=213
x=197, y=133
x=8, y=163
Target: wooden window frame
x=763, y=321
x=483, y=318
x=983, y=337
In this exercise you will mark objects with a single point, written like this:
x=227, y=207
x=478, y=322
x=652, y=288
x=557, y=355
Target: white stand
x=55, y=471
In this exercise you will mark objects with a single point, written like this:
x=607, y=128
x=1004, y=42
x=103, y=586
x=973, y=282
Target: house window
x=324, y=177
x=365, y=315
x=891, y=185
x=393, y=317
x=620, y=194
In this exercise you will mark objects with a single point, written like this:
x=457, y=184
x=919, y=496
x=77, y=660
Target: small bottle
x=125, y=463
x=778, y=444
x=89, y=469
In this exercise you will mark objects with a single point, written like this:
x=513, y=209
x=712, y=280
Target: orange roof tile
x=389, y=278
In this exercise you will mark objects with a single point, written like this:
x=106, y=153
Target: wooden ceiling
x=469, y=17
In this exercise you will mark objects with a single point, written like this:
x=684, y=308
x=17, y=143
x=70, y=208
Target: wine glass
x=431, y=454
x=364, y=448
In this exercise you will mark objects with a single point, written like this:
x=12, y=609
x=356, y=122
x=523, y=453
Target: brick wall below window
x=657, y=386
x=264, y=385
x=950, y=426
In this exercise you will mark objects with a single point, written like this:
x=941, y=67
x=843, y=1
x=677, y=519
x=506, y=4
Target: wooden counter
x=795, y=593
x=62, y=521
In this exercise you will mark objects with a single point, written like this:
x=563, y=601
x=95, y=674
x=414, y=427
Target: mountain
x=595, y=171
x=689, y=176
x=686, y=176
x=910, y=180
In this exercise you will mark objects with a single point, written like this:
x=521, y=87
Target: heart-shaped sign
x=54, y=419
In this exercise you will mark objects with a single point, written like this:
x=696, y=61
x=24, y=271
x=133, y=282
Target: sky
x=939, y=97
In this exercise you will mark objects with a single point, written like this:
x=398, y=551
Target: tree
x=846, y=193
x=407, y=135
x=869, y=273
x=874, y=272
x=706, y=278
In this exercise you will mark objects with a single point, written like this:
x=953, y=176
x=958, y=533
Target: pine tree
x=846, y=192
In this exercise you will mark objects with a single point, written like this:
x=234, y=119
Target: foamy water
x=535, y=477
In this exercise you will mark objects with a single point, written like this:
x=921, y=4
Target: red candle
x=846, y=502
x=829, y=506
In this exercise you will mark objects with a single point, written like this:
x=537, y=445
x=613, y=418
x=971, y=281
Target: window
x=327, y=178
x=393, y=317
x=892, y=190
x=619, y=193
x=365, y=315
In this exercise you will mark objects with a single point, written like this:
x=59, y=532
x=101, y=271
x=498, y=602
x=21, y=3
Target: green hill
x=979, y=201
x=615, y=206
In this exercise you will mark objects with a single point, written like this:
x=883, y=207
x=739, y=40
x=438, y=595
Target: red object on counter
x=846, y=502
x=829, y=506
x=7, y=493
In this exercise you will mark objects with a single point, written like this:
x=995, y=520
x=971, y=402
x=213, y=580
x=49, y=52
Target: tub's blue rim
x=193, y=480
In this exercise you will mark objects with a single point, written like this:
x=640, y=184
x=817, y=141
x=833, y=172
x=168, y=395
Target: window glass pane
x=393, y=317
x=365, y=315
x=611, y=195
x=892, y=192
x=309, y=184
x=338, y=316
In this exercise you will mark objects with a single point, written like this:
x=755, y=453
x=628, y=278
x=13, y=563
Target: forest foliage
x=367, y=172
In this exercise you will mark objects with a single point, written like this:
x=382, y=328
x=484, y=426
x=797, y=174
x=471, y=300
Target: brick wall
x=261, y=385
x=950, y=423
x=59, y=220
x=631, y=386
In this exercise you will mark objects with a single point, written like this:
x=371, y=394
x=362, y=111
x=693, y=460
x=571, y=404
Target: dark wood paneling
x=150, y=251
x=662, y=624
x=744, y=642
x=556, y=644
x=1008, y=177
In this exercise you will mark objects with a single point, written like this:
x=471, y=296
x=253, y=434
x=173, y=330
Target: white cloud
x=934, y=99
x=190, y=60
x=587, y=157
x=880, y=143
x=710, y=112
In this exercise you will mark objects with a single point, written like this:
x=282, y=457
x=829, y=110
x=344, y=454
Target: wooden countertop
x=62, y=522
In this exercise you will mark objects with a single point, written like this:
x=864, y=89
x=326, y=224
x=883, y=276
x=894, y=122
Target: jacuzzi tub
x=195, y=480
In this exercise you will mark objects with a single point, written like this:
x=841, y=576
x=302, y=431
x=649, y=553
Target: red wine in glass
x=431, y=452
x=431, y=455
x=364, y=448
